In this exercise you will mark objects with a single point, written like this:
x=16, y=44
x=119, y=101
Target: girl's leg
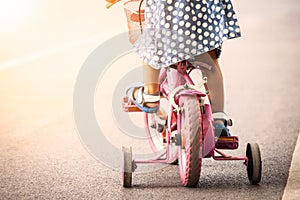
x=151, y=77
x=216, y=84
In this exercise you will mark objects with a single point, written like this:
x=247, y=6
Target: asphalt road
x=41, y=156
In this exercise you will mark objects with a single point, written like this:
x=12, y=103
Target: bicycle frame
x=175, y=81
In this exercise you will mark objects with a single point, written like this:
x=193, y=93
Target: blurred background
x=31, y=27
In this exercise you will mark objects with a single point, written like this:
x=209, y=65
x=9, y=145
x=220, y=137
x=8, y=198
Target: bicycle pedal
x=227, y=142
x=128, y=106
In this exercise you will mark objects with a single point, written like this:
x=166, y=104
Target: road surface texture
x=41, y=156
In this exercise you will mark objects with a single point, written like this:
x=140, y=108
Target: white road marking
x=292, y=189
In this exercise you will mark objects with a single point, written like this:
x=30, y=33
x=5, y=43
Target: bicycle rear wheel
x=190, y=150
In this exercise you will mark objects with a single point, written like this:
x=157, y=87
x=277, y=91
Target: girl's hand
x=111, y=2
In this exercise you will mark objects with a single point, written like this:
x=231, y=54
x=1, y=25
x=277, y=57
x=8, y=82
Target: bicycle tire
x=254, y=167
x=190, y=150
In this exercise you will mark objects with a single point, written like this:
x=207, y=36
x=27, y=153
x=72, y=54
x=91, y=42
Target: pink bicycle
x=189, y=135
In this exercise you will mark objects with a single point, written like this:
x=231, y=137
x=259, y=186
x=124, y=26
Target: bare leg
x=216, y=85
x=215, y=81
x=151, y=76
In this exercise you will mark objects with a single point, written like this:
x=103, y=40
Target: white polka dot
x=174, y=52
x=187, y=24
x=174, y=36
x=175, y=27
x=188, y=42
x=209, y=11
x=200, y=15
x=180, y=13
x=199, y=30
x=194, y=43
x=210, y=27
x=205, y=17
x=232, y=34
x=181, y=5
x=194, y=51
x=159, y=44
x=205, y=42
x=175, y=20
x=169, y=17
x=187, y=32
x=212, y=35
x=231, y=23
x=212, y=43
x=229, y=14
x=181, y=23
x=193, y=36
x=160, y=52
x=180, y=39
x=194, y=18
x=200, y=37
x=225, y=31
x=217, y=38
x=200, y=46
x=217, y=29
x=162, y=59
x=170, y=8
x=175, y=13
x=194, y=28
x=173, y=44
x=203, y=9
x=180, y=55
x=204, y=25
x=181, y=46
x=187, y=8
x=206, y=33
x=198, y=6
x=180, y=31
x=237, y=30
x=229, y=6
x=186, y=17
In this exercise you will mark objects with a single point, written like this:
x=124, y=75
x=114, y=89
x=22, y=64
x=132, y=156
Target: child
x=178, y=30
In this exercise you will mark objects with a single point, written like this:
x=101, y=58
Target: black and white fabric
x=177, y=30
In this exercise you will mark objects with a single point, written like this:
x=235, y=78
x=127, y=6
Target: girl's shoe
x=142, y=98
x=221, y=128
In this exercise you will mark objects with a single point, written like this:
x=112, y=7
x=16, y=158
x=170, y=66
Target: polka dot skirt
x=177, y=30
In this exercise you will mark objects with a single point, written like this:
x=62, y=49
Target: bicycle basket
x=135, y=19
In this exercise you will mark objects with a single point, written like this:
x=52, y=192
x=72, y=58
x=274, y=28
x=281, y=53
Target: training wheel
x=127, y=166
x=254, y=163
